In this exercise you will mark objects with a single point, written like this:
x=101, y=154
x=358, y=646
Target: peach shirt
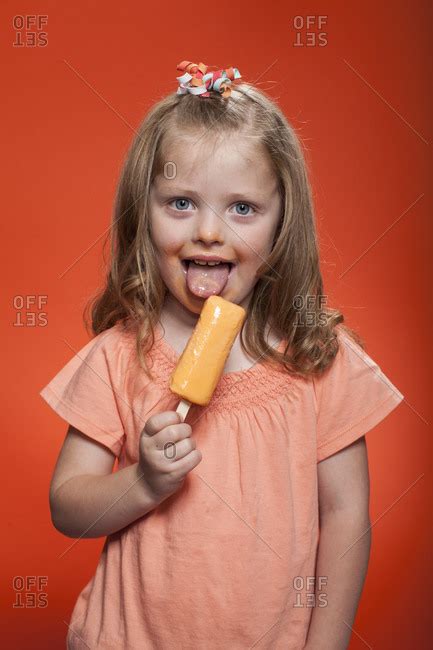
x=227, y=561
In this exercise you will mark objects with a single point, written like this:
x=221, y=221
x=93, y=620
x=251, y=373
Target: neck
x=176, y=314
x=178, y=323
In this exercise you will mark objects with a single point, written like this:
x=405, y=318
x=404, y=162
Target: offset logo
x=30, y=591
x=306, y=594
x=310, y=31
x=308, y=310
x=30, y=31
x=29, y=311
x=170, y=170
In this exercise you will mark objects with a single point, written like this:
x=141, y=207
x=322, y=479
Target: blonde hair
x=289, y=291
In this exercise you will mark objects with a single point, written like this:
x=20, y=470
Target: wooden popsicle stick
x=183, y=408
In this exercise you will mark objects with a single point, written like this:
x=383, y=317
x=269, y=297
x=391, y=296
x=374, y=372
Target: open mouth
x=204, y=280
x=186, y=263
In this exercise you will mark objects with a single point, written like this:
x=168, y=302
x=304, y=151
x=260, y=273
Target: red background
x=362, y=107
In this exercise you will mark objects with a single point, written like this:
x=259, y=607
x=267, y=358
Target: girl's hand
x=165, y=466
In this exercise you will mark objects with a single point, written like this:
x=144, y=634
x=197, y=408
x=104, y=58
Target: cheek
x=166, y=238
x=168, y=247
x=256, y=246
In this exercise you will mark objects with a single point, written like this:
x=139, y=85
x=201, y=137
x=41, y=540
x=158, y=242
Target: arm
x=86, y=499
x=344, y=518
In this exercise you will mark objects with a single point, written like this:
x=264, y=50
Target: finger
x=159, y=421
x=176, y=451
x=187, y=463
x=172, y=433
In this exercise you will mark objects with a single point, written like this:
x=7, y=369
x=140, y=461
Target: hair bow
x=197, y=82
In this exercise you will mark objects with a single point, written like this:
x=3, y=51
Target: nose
x=209, y=226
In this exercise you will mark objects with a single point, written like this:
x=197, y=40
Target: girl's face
x=218, y=199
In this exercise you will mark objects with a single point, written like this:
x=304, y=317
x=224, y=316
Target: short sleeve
x=84, y=392
x=353, y=395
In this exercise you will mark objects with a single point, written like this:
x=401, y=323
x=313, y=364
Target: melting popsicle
x=202, y=362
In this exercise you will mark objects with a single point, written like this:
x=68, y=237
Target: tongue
x=205, y=281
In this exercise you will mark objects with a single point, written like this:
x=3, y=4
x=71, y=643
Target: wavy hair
x=288, y=294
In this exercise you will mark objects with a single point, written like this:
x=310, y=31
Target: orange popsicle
x=202, y=362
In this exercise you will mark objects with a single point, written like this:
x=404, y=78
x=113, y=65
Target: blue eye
x=181, y=204
x=181, y=201
x=246, y=205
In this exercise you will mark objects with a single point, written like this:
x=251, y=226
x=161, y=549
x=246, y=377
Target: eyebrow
x=232, y=196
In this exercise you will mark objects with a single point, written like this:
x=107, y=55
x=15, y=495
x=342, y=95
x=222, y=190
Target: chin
x=194, y=304
x=188, y=301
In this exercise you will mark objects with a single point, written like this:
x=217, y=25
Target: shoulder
x=349, y=357
x=116, y=341
x=350, y=374
x=108, y=352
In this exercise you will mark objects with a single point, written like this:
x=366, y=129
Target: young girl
x=212, y=524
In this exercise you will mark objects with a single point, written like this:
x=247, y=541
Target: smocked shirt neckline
x=260, y=385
